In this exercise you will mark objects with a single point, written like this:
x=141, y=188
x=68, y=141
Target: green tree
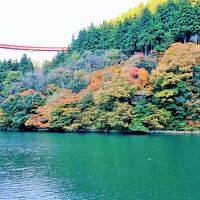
x=25, y=64
x=17, y=109
x=11, y=83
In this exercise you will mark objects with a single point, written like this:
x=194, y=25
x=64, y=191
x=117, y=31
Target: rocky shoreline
x=173, y=132
x=151, y=133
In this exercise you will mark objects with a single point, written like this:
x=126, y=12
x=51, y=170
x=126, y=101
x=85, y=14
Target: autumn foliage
x=138, y=76
x=30, y=91
x=176, y=84
x=43, y=115
x=136, y=94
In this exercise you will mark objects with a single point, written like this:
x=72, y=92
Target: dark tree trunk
x=145, y=51
x=185, y=39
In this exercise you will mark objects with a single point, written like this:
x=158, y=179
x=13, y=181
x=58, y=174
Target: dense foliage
x=153, y=26
x=132, y=95
x=11, y=72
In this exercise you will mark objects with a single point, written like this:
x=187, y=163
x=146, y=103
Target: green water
x=63, y=166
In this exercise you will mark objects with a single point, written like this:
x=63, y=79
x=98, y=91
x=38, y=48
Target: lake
x=93, y=166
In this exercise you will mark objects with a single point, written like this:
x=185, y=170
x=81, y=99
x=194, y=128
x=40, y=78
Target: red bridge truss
x=31, y=48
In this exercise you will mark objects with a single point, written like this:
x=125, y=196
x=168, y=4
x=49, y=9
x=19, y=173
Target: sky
x=51, y=22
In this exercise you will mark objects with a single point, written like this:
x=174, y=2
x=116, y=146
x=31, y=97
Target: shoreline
x=167, y=132
x=150, y=133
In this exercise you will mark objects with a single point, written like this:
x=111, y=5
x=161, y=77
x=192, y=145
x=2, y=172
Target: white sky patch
x=51, y=22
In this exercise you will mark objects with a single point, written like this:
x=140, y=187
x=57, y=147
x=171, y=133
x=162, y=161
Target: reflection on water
x=92, y=166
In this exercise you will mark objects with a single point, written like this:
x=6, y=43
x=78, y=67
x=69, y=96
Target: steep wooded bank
x=142, y=93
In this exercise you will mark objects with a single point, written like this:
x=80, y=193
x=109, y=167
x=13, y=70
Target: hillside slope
x=122, y=97
x=155, y=25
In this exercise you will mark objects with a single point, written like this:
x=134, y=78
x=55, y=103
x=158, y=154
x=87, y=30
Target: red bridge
x=31, y=48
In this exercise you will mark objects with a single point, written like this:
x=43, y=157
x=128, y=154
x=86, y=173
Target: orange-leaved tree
x=174, y=84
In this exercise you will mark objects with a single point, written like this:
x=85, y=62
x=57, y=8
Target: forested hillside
x=142, y=93
x=139, y=72
x=153, y=26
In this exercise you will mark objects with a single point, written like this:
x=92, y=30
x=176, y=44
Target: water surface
x=92, y=166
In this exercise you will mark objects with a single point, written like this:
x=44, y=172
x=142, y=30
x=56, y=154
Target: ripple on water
x=55, y=166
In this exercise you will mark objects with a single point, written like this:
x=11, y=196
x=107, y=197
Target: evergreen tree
x=185, y=20
x=25, y=64
x=155, y=25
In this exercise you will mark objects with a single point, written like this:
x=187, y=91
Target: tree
x=33, y=80
x=11, y=83
x=60, y=77
x=25, y=64
x=17, y=109
x=173, y=84
x=186, y=21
